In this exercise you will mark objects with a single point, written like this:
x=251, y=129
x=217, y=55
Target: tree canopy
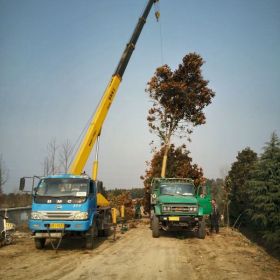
x=179, y=98
x=254, y=185
x=237, y=177
x=264, y=192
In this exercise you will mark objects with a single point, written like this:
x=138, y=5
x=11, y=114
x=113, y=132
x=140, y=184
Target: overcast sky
x=56, y=58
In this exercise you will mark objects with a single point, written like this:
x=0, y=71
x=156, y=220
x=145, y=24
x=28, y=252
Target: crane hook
x=157, y=14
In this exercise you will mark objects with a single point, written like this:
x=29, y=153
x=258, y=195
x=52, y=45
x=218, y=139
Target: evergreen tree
x=264, y=192
x=236, y=179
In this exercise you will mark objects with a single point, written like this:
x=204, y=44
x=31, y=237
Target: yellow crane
x=94, y=129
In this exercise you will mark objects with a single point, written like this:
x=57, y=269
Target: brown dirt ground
x=136, y=255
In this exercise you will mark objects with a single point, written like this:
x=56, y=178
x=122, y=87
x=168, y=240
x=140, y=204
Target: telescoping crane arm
x=95, y=126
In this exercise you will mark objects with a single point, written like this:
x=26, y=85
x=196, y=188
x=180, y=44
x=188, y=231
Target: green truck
x=177, y=205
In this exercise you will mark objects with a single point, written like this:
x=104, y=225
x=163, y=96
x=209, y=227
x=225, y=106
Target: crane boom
x=97, y=121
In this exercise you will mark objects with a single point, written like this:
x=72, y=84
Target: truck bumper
x=179, y=222
x=179, y=218
x=47, y=225
x=49, y=234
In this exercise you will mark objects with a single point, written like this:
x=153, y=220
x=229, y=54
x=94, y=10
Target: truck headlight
x=166, y=208
x=36, y=215
x=81, y=216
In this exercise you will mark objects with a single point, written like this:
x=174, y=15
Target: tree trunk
x=166, y=149
x=164, y=161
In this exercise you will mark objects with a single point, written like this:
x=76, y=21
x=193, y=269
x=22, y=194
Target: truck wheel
x=155, y=226
x=90, y=235
x=201, y=230
x=106, y=232
x=151, y=219
x=8, y=239
x=40, y=243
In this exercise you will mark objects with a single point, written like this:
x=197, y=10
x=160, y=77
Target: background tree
x=216, y=188
x=64, y=155
x=50, y=164
x=134, y=192
x=264, y=193
x=227, y=189
x=179, y=98
x=219, y=191
x=46, y=166
x=4, y=174
x=179, y=165
x=236, y=179
x=15, y=200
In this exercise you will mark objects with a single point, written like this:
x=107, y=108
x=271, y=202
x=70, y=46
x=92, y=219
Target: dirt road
x=136, y=255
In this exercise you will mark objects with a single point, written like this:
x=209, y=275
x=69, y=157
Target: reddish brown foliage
x=123, y=198
x=179, y=97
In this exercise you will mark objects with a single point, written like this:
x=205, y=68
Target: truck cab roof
x=66, y=176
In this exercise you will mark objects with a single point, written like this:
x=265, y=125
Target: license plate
x=177, y=219
x=56, y=226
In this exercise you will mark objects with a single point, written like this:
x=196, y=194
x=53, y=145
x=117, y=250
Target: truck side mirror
x=22, y=184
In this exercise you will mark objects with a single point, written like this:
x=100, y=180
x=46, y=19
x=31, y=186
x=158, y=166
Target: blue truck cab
x=66, y=205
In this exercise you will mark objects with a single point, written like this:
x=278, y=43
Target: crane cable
x=157, y=15
x=78, y=141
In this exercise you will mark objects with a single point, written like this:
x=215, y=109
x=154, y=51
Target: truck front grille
x=58, y=215
x=179, y=208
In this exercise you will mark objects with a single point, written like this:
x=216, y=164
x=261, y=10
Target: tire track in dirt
x=139, y=256
x=136, y=255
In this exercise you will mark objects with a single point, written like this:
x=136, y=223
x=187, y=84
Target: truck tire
x=201, y=233
x=155, y=226
x=8, y=239
x=40, y=243
x=90, y=236
x=104, y=232
x=107, y=231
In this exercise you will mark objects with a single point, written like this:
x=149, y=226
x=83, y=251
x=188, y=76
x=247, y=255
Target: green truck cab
x=177, y=205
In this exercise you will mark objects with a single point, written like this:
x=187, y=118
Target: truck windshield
x=177, y=189
x=62, y=187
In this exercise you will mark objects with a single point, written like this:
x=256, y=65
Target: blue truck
x=68, y=206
